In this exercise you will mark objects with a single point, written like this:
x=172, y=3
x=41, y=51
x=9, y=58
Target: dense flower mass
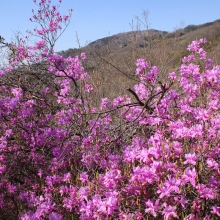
x=62, y=158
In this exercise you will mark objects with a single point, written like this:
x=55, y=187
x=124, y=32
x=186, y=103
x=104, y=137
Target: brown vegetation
x=111, y=60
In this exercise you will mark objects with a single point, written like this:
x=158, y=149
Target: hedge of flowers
x=151, y=155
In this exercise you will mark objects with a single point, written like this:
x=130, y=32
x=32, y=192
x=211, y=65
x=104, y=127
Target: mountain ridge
x=119, y=36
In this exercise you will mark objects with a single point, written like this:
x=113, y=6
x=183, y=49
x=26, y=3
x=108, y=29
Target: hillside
x=111, y=60
x=143, y=37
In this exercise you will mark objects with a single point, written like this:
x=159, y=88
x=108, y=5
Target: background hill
x=111, y=60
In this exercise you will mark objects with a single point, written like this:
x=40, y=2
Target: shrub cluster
x=153, y=156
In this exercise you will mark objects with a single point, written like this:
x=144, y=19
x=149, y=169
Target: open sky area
x=95, y=19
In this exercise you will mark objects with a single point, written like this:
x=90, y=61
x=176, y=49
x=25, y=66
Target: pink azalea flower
x=88, y=88
x=212, y=164
x=190, y=159
x=2, y=73
x=67, y=177
x=84, y=177
x=216, y=210
x=190, y=176
x=172, y=75
x=205, y=192
x=170, y=211
x=194, y=46
x=55, y=216
x=152, y=208
x=83, y=55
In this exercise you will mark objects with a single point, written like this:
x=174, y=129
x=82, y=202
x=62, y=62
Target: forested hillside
x=111, y=60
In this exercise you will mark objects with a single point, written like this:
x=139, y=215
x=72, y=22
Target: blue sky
x=95, y=19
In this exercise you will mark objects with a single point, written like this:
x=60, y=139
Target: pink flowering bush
x=63, y=158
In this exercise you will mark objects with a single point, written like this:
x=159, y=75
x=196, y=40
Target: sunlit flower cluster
x=77, y=162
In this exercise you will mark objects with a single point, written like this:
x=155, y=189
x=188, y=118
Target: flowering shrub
x=72, y=160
